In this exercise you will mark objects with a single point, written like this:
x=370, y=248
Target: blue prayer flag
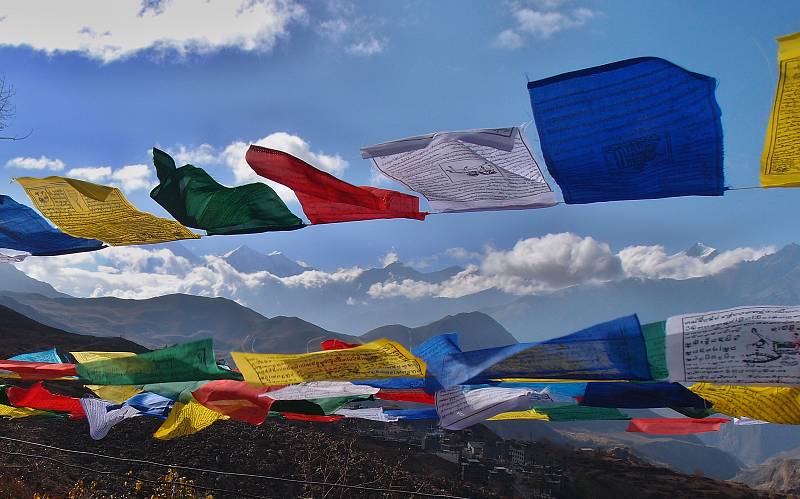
x=641, y=396
x=641, y=128
x=22, y=229
x=43, y=356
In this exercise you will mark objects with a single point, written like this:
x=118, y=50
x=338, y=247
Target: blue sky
x=345, y=75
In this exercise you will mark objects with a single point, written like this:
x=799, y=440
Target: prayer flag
x=675, y=426
x=371, y=413
x=186, y=419
x=640, y=395
x=101, y=419
x=23, y=229
x=780, y=161
x=325, y=198
x=7, y=411
x=38, y=397
x=50, y=356
x=640, y=128
x=460, y=408
x=83, y=209
x=236, y=399
x=196, y=200
x=38, y=370
x=743, y=345
x=486, y=169
x=774, y=404
x=377, y=359
x=193, y=361
x=320, y=389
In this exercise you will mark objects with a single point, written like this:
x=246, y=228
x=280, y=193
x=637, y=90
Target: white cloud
x=40, y=163
x=652, y=262
x=233, y=156
x=541, y=19
x=370, y=46
x=557, y=261
x=110, y=31
x=390, y=258
x=128, y=178
x=508, y=39
x=91, y=173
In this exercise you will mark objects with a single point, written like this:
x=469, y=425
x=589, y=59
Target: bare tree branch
x=7, y=109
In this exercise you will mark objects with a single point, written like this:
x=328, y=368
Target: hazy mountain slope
x=20, y=334
x=247, y=260
x=15, y=280
x=779, y=474
x=171, y=319
x=475, y=330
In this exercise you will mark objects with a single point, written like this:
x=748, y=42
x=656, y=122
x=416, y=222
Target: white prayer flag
x=744, y=345
x=320, y=390
x=101, y=420
x=460, y=408
x=486, y=169
x=371, y=413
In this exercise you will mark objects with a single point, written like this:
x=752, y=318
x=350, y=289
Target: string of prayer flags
x=641, y=395
x=743, y=345
x=325, y=198
x=191, y=361
x=374, y=360
x=780, y=166
x=38, y=397
x=640, y=128
x=773, y=404
x=675, y=426
x=101, y=419
x=196, y=200
x=22, y=229
x=235, y=399
x=186, y=419
x=83, y=209
x=460, y=408
x=487, y=169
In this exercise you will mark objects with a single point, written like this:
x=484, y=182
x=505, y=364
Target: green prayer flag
x=319, y=407
x=192, y=361
x=180, y=391
x=572, y=412
x=196, y=200
x=655, y=341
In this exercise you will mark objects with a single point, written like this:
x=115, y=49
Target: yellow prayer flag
x=84, y=357
x=185, y=419
x=114, y=393
x=780, y=161
x=83, y=209
x=774, y=404
x=375, y=360
x=529, y=414
x=7, y=411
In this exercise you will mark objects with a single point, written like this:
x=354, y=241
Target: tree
x=7, y=109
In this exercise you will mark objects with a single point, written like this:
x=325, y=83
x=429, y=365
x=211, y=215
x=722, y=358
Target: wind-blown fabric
x=377, y=359
x=186, y=419
x=371, y=414
x=83, y=209
x=320, y=389
x=179, y=391
x=412, y=414
x=50, y=356
x=325, y=198
x=38, y=397
x=612, y=350
x=101, y=419
x=675, y=426
x=487, y=169
x=116, y=394
x=640, y=128
x=196, y=200
x=780, y=166
x=91, y=356
x=460, y=408
x=235, y=399
x=641, y=396
x=773, y=404
x=415, y=396
x=38, y=370
x=322, y=406
x=23, y=229
x=191, y=361
x=148, y=404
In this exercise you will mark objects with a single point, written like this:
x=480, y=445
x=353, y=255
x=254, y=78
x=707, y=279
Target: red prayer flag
x=327, y=199
x=236, y=399
x=337, y=345
x=418, y=396
x=38, y=370
x=317, y=418
x=675, y=426
x=38, y=397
